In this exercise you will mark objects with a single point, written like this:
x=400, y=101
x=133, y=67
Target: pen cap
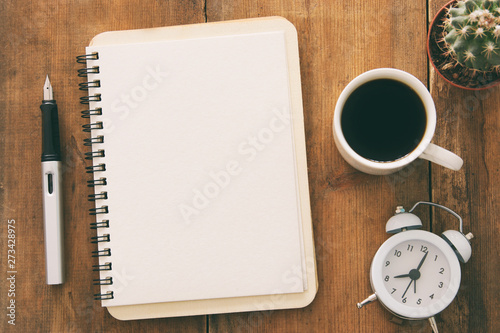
x=51, y=146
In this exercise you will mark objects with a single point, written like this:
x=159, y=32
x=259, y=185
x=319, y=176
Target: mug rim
x=409, y=80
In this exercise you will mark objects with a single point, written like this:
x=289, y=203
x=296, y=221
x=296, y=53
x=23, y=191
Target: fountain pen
x=52, y=188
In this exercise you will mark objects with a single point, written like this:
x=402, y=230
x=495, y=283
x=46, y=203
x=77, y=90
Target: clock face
x=416, y=273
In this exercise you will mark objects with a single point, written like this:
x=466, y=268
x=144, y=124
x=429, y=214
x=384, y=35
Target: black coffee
x=383, y=120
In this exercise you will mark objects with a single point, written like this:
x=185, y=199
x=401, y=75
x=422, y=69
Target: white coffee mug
x=424, y=149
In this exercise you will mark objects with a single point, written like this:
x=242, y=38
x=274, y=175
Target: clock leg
x=432, y=321
x=371, y=298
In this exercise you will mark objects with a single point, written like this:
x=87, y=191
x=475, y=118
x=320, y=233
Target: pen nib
x=47, y=90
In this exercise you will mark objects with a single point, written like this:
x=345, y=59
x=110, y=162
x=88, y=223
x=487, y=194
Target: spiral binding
x=99, y=196
x=92, y=141
x=97, y=182
x=99, y=210
x=84, y=72
x=89, y=99
x=101, y=224
x=82, y=59
x=102, y=253
x=91, y=154
x=92, y=126
x=108, y=295
x=91, y=112
x=90, y=84
x=105, y=267
x=102, y=282
x=100, y=239
x=95, y=168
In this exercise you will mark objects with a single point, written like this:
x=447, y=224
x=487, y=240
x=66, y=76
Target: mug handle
x=442, y=157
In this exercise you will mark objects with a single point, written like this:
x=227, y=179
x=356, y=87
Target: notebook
x=197, y=145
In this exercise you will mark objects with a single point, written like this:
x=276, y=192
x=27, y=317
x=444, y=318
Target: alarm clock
x=415, y=274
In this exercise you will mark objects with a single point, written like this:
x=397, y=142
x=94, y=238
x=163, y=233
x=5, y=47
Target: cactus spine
x=472, y=34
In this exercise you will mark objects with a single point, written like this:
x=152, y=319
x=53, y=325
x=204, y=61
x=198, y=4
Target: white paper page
x=200, y=166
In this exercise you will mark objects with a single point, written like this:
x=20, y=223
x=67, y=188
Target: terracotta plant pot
x=458, y=76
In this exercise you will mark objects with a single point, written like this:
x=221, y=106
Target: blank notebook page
x=200, y=168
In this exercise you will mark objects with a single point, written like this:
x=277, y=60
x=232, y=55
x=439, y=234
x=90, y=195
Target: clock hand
x=415, y=274
x=402, y=276
x=407, y=288
x=422, y=261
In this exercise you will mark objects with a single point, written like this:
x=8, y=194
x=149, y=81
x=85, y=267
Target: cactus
x=472, y=34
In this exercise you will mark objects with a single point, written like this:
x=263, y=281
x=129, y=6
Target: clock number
x=419, y=301
x=441, y=270
x=387, y=263
x=423, y=248
x=393, y=291
x=440, y=285
x=432, y=296
x=404, y=300
x=397, y=253
x=436, y=257
x=410, y=248
x=386, y=278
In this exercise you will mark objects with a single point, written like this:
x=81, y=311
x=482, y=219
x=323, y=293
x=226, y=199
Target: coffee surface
x=383, y=120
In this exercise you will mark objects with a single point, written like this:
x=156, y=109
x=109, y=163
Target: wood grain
x=337, y=41
x=468, y=123
x=40, y=38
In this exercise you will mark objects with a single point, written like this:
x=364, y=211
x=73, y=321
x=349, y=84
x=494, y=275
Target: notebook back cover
x=204, y=169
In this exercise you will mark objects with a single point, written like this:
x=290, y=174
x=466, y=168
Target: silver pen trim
x=53, y=222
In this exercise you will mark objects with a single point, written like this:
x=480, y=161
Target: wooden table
x=338, y=40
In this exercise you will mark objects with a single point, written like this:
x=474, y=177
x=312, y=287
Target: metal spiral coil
x=82, y=59
x=100, y=239
x=91, y=154
x=92, y=98
x=98, y=196
x=91, y=113
x=104, y=267
x=99, y=210
x=102, y=253
x=101, y=224
x=103, y=282
x=106, y=296
x=90, y=84
x=96, y=168
x=92, y=126
x=92, y=141
x=84, y=72
x=97, y=182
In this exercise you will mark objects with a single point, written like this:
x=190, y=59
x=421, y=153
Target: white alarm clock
x=415, y=274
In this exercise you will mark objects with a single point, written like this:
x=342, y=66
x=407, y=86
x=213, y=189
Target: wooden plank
x=337, y=42
x=40, y=38
x=468, y=123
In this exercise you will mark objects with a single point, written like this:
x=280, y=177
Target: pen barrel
x=51, y=144
x=53, y=221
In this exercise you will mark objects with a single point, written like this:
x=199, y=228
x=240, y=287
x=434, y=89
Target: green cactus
x=472, y=34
